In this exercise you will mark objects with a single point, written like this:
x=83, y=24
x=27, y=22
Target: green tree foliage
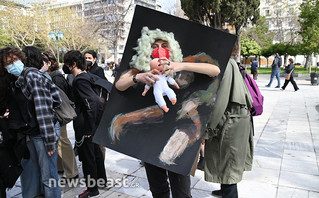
x=309, y=22
x=260, y=33
x=293, y=50
x=19, y=24
x=249, y=47
x=216, y=13
x=280, y=48
x=267, y=52
x=204, y=11
x=5, y=39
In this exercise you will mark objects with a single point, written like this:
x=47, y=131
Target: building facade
x=282, y=18
x=114, y=18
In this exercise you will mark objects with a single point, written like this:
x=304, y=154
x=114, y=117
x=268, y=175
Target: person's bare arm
x=202, y=68
x=126, y=79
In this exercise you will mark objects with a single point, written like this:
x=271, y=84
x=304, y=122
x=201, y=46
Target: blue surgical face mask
x=15, y=68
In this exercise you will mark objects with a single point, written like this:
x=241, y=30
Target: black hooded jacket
x=95, y=69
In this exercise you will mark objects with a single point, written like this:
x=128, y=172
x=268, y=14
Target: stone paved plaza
x=286, y=157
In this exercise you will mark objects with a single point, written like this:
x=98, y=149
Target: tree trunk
x=259, y=61
x=307, y=62
x=238, y=34
x=285, y=59
x=115, y=51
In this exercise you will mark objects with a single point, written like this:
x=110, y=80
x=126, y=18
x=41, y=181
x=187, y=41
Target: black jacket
x=289, y=67
x=87, y=106
x=95, y=69
x=62, y=83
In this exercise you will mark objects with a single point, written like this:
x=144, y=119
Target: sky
x=167, y=4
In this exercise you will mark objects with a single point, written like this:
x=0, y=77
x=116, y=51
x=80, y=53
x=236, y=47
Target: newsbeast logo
x=100, y=183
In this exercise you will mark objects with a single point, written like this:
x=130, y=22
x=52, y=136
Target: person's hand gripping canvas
x=160, y=88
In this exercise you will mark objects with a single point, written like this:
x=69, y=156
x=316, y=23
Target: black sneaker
x=277, y=87
x=87, y=193
x=217, y=193
x=200, y=165
x=296, y=89
x=39, y=196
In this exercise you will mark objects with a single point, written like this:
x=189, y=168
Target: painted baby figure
x=161, y=88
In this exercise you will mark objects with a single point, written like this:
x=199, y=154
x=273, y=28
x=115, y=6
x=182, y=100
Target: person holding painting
x=158, y=40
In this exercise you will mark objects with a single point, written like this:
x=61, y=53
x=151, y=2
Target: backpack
x=64, y=84
x=65, y=113
x=102, y=88
x=255, y=93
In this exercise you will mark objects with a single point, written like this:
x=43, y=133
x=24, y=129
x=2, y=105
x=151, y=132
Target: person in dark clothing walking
x=289, y=69
x=275, y=70
x=92, y=67
x=254, y=69
x=87, y=109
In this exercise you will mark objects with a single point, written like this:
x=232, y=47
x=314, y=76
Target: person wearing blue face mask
x=15, y=68
x=34, y=97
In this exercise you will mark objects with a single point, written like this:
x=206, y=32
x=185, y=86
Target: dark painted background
x=146, y=141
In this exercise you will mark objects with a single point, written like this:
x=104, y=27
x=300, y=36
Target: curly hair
x=141, y=60
x=9, y=52
x=54, y=64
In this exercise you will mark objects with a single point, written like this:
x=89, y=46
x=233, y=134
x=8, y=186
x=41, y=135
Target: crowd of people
x=37, y=147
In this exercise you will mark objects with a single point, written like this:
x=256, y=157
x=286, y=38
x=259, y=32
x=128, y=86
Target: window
x=267, y=13
x=291, y=23
x=268, y=23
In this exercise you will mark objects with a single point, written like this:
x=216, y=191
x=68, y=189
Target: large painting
x=134, y=123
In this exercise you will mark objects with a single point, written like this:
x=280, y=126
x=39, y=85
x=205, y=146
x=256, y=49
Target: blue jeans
x=30, y=183
x=273, y=74
x=39, y=168
x=46, y=165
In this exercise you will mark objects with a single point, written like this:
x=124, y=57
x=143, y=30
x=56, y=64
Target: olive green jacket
x=229, y=133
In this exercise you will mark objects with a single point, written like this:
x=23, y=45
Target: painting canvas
x=136, y=126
